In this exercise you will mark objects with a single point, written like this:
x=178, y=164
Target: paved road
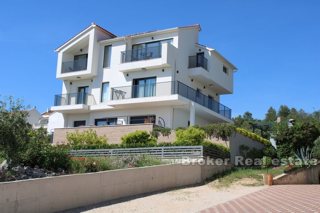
x=284, y=198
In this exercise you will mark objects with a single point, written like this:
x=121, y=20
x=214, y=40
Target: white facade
x=165, y=77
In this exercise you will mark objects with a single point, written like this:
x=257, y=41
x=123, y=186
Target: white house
x=164, y=77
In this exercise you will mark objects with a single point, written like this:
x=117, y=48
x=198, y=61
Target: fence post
x=162, y=150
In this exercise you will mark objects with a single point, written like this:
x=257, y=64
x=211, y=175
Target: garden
x=27, y=153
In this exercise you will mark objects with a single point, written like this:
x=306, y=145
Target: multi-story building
x=164, y=77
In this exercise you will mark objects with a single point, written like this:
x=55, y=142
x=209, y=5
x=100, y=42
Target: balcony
x=147, y=58
x=198, y=61
x=203, y=100
x=213, y=77
x=74, y=66
x=163, y=93
x=73, y=102
x=140, y=54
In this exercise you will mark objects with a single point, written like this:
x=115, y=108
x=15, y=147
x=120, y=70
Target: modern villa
x=164, y=77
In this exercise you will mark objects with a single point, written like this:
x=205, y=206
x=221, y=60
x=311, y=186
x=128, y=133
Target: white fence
x=161, y=152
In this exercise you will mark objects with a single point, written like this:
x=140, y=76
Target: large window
x=107, y=56
x=143, y=119
x=144, y=87
x=105, y=121
x=105, y=92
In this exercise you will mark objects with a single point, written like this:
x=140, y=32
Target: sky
x=274, y=44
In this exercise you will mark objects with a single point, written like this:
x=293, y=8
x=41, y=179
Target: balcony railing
x=202, y=99
x=198, y=61
x=74, y=66
x=73, y=99
x=141, y=54
x=169, y=88
x=141, y=91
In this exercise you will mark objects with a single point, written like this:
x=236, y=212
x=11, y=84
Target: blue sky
x=275, y=44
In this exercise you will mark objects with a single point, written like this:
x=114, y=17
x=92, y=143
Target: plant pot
x=267, y=179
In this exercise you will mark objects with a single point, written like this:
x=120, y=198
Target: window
x=144, y=87
x=225, y=69
x=146, y=51
x=105, y=121
x=79, y=123
x=143, y=119
x=80, y=62
x=107, y=56
x=105, y=92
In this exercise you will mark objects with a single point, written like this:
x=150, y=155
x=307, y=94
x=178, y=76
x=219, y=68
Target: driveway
x=284, y=198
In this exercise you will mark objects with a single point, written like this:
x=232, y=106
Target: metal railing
x=141, y=54
x=144, y=90
x=198, y=61
x=73, y=66
x=161, y=152
x=202, y=99
x=74, y=98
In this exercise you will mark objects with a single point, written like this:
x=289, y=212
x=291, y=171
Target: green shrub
x=39, y=152
x=221, y=131
x=221, y=150
x=147, y=160
x=269, y=151
x=316, y=149
x=191, y=136
x=86, y=140
x=157, y=130
x=138, y=139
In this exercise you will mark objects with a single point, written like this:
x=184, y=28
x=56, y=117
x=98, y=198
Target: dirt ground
x=191, y=199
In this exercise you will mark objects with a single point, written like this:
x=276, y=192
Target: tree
x=271, y=115
x=290, y=139
x=284, y=111
x=14, y=128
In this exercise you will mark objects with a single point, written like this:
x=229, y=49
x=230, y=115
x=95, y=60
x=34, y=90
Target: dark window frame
x=154, y=117
x=104, y=63
x=101, y=96
x=105, y=119
x=225, y=69
x=76, y=123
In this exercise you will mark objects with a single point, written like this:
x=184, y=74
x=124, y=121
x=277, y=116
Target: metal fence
x=169, y=152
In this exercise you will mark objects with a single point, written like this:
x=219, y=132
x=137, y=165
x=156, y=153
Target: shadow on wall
x=237, y=140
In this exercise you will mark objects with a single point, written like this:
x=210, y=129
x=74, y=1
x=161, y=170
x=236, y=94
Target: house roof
x=219, y=55
x=151, y=32
x=93, y=25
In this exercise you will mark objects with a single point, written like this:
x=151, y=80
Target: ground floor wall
x=165, y=116
x=56, y=194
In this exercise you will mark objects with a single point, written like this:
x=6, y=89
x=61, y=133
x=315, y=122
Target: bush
x=253, y=136
x=86, y=140
x=138, y=139
x=90, y=164
x=160, y=130
x=221, y=131
x=270, y=151
x=39, y=152
x=221, y=150
x=316, y=149
x=191, y=136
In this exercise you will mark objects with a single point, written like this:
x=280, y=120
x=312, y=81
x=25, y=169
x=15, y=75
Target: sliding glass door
x=144, y=87
x=82, y=95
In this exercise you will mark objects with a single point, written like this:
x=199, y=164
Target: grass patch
x=243, y=176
